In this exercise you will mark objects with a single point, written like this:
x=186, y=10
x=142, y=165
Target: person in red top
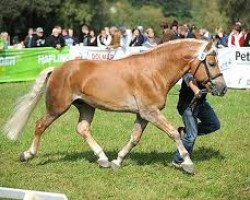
x=237, y=36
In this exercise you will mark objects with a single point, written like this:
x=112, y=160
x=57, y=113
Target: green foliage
x=66, y=164
x=237, y=10
x=206, y=14
x=122, y=13
x=17, y=16
x=76, y=13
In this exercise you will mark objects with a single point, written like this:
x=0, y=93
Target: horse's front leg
x=139, y=126
x=154, y=116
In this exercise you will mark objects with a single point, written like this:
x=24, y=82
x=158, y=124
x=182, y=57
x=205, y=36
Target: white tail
x=25, y=106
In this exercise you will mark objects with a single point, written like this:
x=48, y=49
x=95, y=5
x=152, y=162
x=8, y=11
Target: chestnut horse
x=137, y=84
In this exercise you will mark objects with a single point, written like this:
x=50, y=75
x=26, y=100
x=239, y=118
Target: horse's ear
x=209, y=46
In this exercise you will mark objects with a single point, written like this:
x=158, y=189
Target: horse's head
x=206, y=70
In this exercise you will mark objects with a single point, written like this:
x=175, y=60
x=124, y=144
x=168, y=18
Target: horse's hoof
x=22, y=157
x=189, y=168
x=103, y=163
x=115, y=165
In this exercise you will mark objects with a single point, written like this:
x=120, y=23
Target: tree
x=237, y=10
x=207, y=14
x=17, y=16
x=124, y=14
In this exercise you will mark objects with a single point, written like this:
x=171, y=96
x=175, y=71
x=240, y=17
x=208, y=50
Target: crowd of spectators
x=113, y=37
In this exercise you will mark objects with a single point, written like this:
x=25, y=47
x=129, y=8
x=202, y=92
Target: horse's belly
x=116, y=103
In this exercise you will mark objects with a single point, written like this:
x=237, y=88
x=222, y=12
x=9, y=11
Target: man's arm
x=189, y=80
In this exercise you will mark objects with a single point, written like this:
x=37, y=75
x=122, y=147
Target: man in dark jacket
x=199, y=110
x=38, y=39
x=55, y=39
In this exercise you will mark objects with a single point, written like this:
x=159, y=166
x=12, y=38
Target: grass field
x=66, y=164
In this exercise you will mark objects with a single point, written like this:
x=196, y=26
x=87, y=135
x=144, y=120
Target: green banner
x=26, y=64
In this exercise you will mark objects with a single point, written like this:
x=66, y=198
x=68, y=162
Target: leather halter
x=210, y=78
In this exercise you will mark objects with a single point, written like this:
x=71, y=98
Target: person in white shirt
x=103, y=40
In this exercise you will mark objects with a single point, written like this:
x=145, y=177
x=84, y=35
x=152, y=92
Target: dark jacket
x=186, y=94
x=52, y=41
x=138, y=41
x=38, y=41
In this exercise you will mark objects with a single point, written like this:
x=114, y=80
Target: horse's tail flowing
x=25, y=106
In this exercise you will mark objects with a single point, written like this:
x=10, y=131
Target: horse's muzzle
x=219, y=89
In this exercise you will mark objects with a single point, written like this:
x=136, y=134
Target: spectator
x=4, y=40
x=221, y=38
x=142, y=32
x=68, y=39
x=28, y=39
x=54, y=40
x=59, y=29
x=174, y=28
x=190, y=31
x=167, y=34
x=38, y=39
x=236, y=37
x=204, y=34
x=150, y=40
x=116, y=37
x=126, y=37
x=92, y=38
x=85, y=35
x=247, y=40
x=183, y=31
x=17, y=44
x=103, y=40
x=137, y=38
x=107, y=30
x=71, y=34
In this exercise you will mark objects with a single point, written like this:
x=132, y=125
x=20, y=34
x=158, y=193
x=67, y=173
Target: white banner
x=97, y=53
x=235, y=66
x=234, y=62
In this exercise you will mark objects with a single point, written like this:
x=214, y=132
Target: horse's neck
x=173, y=63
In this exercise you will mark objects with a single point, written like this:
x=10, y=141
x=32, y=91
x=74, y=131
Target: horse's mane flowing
x=165, y=45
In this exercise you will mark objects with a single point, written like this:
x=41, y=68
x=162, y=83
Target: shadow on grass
x=141, y=158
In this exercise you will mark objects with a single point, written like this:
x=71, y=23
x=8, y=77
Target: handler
x=191, y=112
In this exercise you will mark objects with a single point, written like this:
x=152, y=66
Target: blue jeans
x=208, y=122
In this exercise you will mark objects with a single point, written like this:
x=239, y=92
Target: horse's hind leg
x=139, y=126
x=41, y=126
x=86, y=116
x=56, y=105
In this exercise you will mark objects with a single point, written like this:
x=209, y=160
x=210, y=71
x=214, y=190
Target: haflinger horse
x=137, y=84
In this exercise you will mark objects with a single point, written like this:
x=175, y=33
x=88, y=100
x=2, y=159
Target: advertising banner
x=26, y=64
x=235, y=66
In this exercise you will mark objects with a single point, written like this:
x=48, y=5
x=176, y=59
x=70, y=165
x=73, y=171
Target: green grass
x=65, y=163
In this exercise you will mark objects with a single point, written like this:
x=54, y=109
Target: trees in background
x=17, y=16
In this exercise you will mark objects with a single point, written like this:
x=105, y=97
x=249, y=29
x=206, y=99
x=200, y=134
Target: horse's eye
x=212, y=64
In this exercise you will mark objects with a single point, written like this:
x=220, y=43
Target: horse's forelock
x=206, y=48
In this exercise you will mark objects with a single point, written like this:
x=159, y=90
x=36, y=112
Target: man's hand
x=198, y=94
x=195, y=89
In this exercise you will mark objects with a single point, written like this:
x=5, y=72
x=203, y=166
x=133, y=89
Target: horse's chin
x=219, y=91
